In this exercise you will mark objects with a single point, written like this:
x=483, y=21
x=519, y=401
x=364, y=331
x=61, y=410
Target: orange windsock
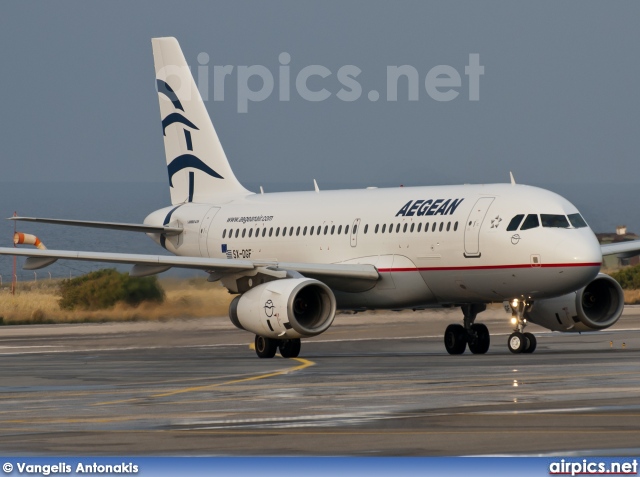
x=19, y=238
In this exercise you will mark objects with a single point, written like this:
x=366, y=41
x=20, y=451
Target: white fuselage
x=431, y=245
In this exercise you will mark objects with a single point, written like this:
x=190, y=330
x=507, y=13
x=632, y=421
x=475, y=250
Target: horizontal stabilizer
x=149, y=229
x=36, y=263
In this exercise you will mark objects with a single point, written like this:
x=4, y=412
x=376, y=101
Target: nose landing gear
x=520, y=341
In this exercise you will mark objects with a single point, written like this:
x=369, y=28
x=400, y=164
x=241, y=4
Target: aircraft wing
x=150, y=229
x=151, y=264
x=626, y=249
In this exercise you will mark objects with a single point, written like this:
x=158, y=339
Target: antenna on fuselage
x=261, y=190
x=513, y=181
x=315, y=185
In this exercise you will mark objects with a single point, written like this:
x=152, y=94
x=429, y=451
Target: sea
x=604, y=206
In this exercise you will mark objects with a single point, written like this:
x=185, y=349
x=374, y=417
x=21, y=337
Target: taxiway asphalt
x=374, y=384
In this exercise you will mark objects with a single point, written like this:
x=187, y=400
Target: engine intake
x=595, y=307
x=285, y=309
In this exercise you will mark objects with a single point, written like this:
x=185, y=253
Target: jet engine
x=595, y=307
x=285, y=309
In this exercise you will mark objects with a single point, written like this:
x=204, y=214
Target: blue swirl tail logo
x=183, y=161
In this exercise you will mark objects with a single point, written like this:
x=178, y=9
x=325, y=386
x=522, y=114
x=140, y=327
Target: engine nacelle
x=285, y=309
x=594, y=307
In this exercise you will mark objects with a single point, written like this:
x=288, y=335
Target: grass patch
x=37, y=303
x=104, y=288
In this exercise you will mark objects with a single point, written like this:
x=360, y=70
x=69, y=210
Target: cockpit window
x=577, y=221
x=531, y=222
x=515, y=222
x=557, y=221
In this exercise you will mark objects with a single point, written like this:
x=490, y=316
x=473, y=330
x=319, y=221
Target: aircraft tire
x=531, y=343
x=290, y=348
x=479, y=344
x=455, y=339
x=517, y=342
x=265, y=347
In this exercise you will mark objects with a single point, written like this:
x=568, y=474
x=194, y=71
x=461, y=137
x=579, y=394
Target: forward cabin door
x=472, y=227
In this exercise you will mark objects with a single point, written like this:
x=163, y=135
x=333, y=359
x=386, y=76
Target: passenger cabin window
x=384, y=226
x=515, y=223
x=346, y=229
x=366, y=228
x=531, y=222
x=577, y=221
x=376, y=229
x=556, y=221
x=224, y=232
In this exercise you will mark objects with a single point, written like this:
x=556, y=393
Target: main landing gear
x=267, y=347
x=519, y=341
x=474, y=335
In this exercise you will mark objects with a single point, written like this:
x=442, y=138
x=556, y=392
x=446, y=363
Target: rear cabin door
x=205, y=225
x=354, y=232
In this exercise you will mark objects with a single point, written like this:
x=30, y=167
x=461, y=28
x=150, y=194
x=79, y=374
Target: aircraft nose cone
x=584, y=249
x=581, y=257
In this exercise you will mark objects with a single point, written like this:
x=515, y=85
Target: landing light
x=514, y=303
x=514, y=320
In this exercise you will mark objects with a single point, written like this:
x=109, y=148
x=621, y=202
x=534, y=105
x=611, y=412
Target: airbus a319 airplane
x=295, y=258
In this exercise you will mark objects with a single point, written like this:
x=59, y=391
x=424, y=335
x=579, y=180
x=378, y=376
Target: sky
x=558, y=101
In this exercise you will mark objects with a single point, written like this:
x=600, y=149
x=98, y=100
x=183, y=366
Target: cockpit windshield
x=531, y=222
x=547, y=220
x=577, y=221
x=556, y=221
x=515, y=222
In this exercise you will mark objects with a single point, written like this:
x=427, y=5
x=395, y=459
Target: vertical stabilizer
x=198, y=167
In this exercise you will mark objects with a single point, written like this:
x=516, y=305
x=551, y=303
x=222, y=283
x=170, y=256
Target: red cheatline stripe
x=489, y=267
